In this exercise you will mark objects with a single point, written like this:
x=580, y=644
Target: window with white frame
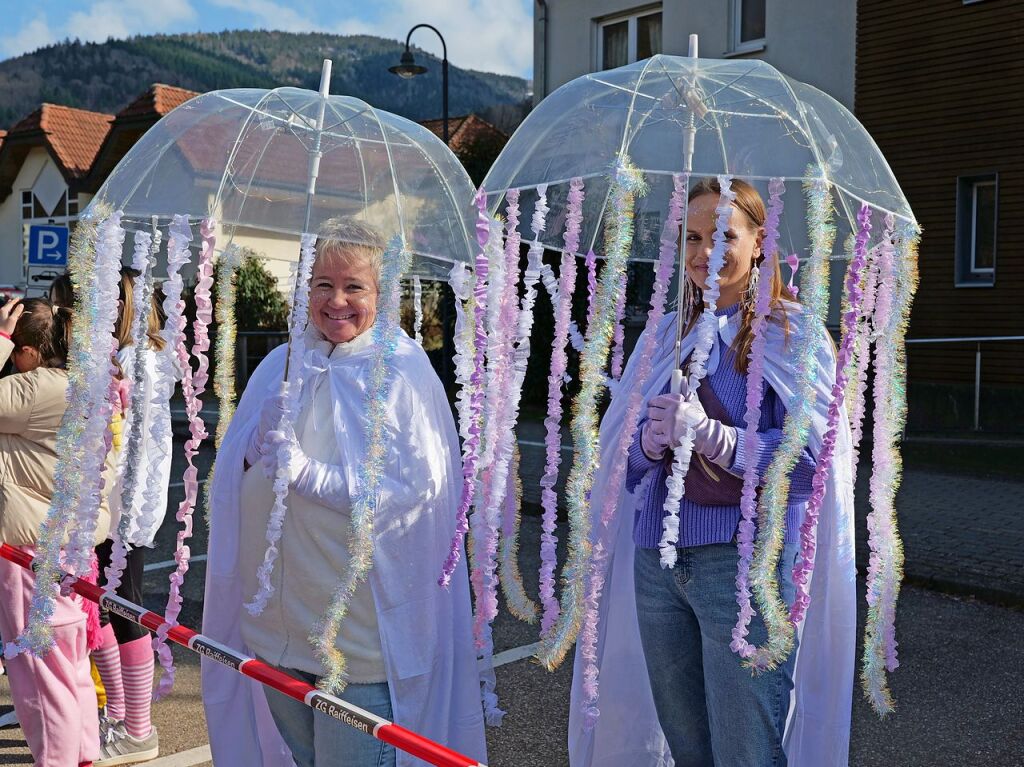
x=623, y=40
x=747, y=21
x=977, y=205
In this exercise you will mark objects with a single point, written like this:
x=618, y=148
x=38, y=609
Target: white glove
x=315, y=480
x=671, y=414
x=270, y=420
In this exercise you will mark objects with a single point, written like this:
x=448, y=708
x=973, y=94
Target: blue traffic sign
x=47, y=246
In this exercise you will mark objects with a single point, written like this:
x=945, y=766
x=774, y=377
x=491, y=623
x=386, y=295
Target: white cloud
x=35, y=34
x=270, y=15
x=122, y=18
x=488, y=35
x=100, y=20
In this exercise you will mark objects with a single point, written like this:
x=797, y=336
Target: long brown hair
x=45, y=327
x=748, y=201
x=154, y=320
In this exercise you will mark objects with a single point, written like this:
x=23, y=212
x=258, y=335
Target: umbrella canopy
x=245, y=157
x=674, y=114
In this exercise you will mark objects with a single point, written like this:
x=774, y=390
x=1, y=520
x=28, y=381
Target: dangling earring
x=750, y=298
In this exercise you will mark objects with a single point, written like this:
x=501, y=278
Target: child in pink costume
x=54, y=696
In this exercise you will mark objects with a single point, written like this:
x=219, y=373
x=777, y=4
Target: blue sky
x=489, y=35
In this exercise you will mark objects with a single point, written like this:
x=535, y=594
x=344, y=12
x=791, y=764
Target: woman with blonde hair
x=407, y=642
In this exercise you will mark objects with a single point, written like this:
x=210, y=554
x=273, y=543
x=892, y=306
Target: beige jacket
x=31, y=407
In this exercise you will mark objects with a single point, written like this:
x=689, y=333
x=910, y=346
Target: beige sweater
x=313, y=556
x=31, y=407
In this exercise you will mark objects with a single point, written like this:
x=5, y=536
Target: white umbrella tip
x=693, y=47
x=325, y=78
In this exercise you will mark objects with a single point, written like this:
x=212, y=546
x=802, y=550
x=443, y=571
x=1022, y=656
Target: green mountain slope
x=106, y=76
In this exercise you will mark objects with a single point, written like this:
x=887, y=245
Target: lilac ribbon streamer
x=598, y=569
x=552, y=424
x=755, y=382
x=591, y=262
x=808, y=529
x=471, y=446
x=174, y=336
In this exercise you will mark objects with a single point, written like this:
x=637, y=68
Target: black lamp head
x=408, y=67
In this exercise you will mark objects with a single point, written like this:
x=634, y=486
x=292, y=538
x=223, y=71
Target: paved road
x=957, y=689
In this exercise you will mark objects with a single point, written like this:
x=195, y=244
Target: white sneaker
x=118, y=747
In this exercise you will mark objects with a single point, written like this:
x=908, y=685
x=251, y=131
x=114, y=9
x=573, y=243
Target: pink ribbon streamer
x=808, y=529
x=553, y=422
x=471, y=447
x=755, y=384
x=597, y=571
x=193, y=384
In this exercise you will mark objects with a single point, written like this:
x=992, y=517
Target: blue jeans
x=713, y=711
x=318, y=740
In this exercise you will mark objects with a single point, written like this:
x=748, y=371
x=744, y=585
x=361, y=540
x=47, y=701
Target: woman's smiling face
x=343, y=295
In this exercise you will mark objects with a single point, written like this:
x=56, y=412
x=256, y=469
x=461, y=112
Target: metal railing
x=978, y=341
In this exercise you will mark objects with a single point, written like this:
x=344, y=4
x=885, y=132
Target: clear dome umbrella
x=630, y=142
x=231, y=170
x=269, y=165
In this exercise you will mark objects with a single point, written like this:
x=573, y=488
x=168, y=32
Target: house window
x=748, y=25
x=977, y=204
x=625, y=39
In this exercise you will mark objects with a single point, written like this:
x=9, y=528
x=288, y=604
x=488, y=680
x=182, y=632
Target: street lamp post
x=408, y=68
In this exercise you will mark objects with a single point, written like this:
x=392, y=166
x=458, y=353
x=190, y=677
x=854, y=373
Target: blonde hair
x=348, y=240
x=748, y=202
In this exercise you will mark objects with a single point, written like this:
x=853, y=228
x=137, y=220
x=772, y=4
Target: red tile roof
x=74, y=135
x=464, y=131
x=159, y=99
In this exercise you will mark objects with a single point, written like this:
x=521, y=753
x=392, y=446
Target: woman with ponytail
x=54, y=696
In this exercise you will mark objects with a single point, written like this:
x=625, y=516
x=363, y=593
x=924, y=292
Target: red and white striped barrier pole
x=353, y=716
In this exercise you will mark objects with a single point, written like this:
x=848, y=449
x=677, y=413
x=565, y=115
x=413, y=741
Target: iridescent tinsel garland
x=707, y=331
x=508, y=569
x=291, y=390
x=370, y=471
x=473, y=391
x=808, y=528
x=605, y=544
x=178, y=255
x=619, y=334
x=755, y=391
x=135, y=409
x=38, y=634
x=796, y=431
x=626, y=184
x=102, y=382
x=224, y=353
x=553, y=421
x=897, y=284
x=518, y=603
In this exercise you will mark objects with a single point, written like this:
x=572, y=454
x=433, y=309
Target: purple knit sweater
x=700, y=525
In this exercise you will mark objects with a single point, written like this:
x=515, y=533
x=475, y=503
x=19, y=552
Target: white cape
x=818, y=727
x=426, y=632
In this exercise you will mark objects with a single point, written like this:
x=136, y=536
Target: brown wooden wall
x=940, y=87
